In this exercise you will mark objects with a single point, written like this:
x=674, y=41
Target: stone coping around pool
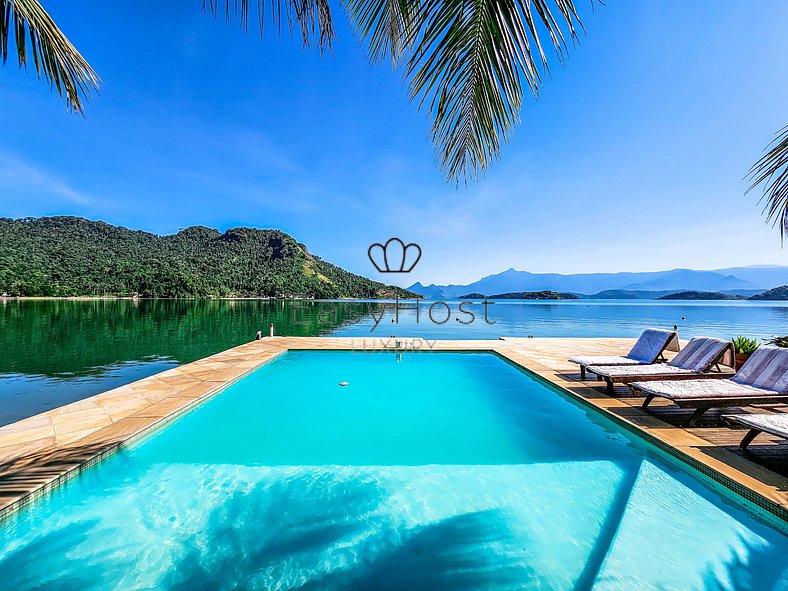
x=40, y=453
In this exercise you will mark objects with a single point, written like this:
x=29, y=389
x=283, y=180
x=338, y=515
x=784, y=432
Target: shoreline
x=131, y=298
x=301, y=299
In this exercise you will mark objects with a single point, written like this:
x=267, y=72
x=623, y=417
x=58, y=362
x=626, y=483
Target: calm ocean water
x=56, y=352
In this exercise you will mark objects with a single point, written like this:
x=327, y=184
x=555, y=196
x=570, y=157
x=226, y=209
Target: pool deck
x=39, y=453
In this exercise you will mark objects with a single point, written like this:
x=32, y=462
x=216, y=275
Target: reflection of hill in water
x=83, y=338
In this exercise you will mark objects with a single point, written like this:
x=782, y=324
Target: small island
x=700, y=295
x=628, y=294
x=523, y=295
x=775, y=294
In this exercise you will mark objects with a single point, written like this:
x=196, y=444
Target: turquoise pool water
x=428, y=471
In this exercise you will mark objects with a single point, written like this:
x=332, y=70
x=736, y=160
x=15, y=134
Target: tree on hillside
x=469, y=62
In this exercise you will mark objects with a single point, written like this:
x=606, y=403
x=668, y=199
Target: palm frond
x=52, y=53
x=771, y=171
x=311, y=17
x=387, y=25
x=469, y=60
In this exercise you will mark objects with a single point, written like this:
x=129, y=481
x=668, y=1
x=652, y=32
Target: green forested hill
x=69, y=256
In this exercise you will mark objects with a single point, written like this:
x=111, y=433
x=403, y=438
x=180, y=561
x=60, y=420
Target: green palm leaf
x=469, y=60
x=771, y=171
x=37, y=36
x=386, y=25
x=311, y=17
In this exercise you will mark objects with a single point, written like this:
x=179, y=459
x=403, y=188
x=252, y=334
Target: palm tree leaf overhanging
x=466, y=60
x=39, y=39
x=469, y=62
x=312, y=18
x=771, y=171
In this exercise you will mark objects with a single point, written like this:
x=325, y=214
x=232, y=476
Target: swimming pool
x=427, y=471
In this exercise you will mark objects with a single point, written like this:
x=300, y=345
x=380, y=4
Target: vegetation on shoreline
x=70, y=256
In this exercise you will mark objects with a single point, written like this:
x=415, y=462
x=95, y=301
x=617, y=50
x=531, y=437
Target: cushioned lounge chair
x=776, y=424
x=703, y=357
x=648, y=349
x=763, y=379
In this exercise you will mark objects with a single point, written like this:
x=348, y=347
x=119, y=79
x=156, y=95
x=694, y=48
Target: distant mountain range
x=739, y=281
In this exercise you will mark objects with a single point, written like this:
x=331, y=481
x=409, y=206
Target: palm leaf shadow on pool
x=309, y=531
x=455, y=553
x=22, y=569
x=761, y=568
x=269, y=536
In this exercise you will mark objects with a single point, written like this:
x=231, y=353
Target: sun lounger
x=776, y=424
x=763, y=379
x=703, y=357
x=648, y=349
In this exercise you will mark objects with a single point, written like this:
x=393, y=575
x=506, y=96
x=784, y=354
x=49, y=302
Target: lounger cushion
x=691, y=389
x=605, y=360
x=656, y=369
x=651, y=343
x=648, y=347
x=776, y=424
x=766, y=368
x=701, y=352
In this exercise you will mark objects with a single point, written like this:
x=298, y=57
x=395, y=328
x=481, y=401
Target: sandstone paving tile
x=114, y=406
x=163, y=408
x=38, y=421
x=199, y=390
x=26, y=448
x=20, y=437
x=78, y=406
x=80, y=421
x=73, y=436
x=118, y=431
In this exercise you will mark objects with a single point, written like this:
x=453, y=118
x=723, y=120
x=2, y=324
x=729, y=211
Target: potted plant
x=778, y=342
x=744, y=347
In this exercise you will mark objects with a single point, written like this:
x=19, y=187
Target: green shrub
x=744, y=345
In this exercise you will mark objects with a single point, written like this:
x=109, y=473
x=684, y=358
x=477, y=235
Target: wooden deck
x=41, y=452
x=767, y=450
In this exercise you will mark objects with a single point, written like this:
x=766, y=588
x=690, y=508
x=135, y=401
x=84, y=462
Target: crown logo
x=395, y=256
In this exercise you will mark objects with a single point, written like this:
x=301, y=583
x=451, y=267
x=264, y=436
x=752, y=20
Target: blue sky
x=632, y=159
